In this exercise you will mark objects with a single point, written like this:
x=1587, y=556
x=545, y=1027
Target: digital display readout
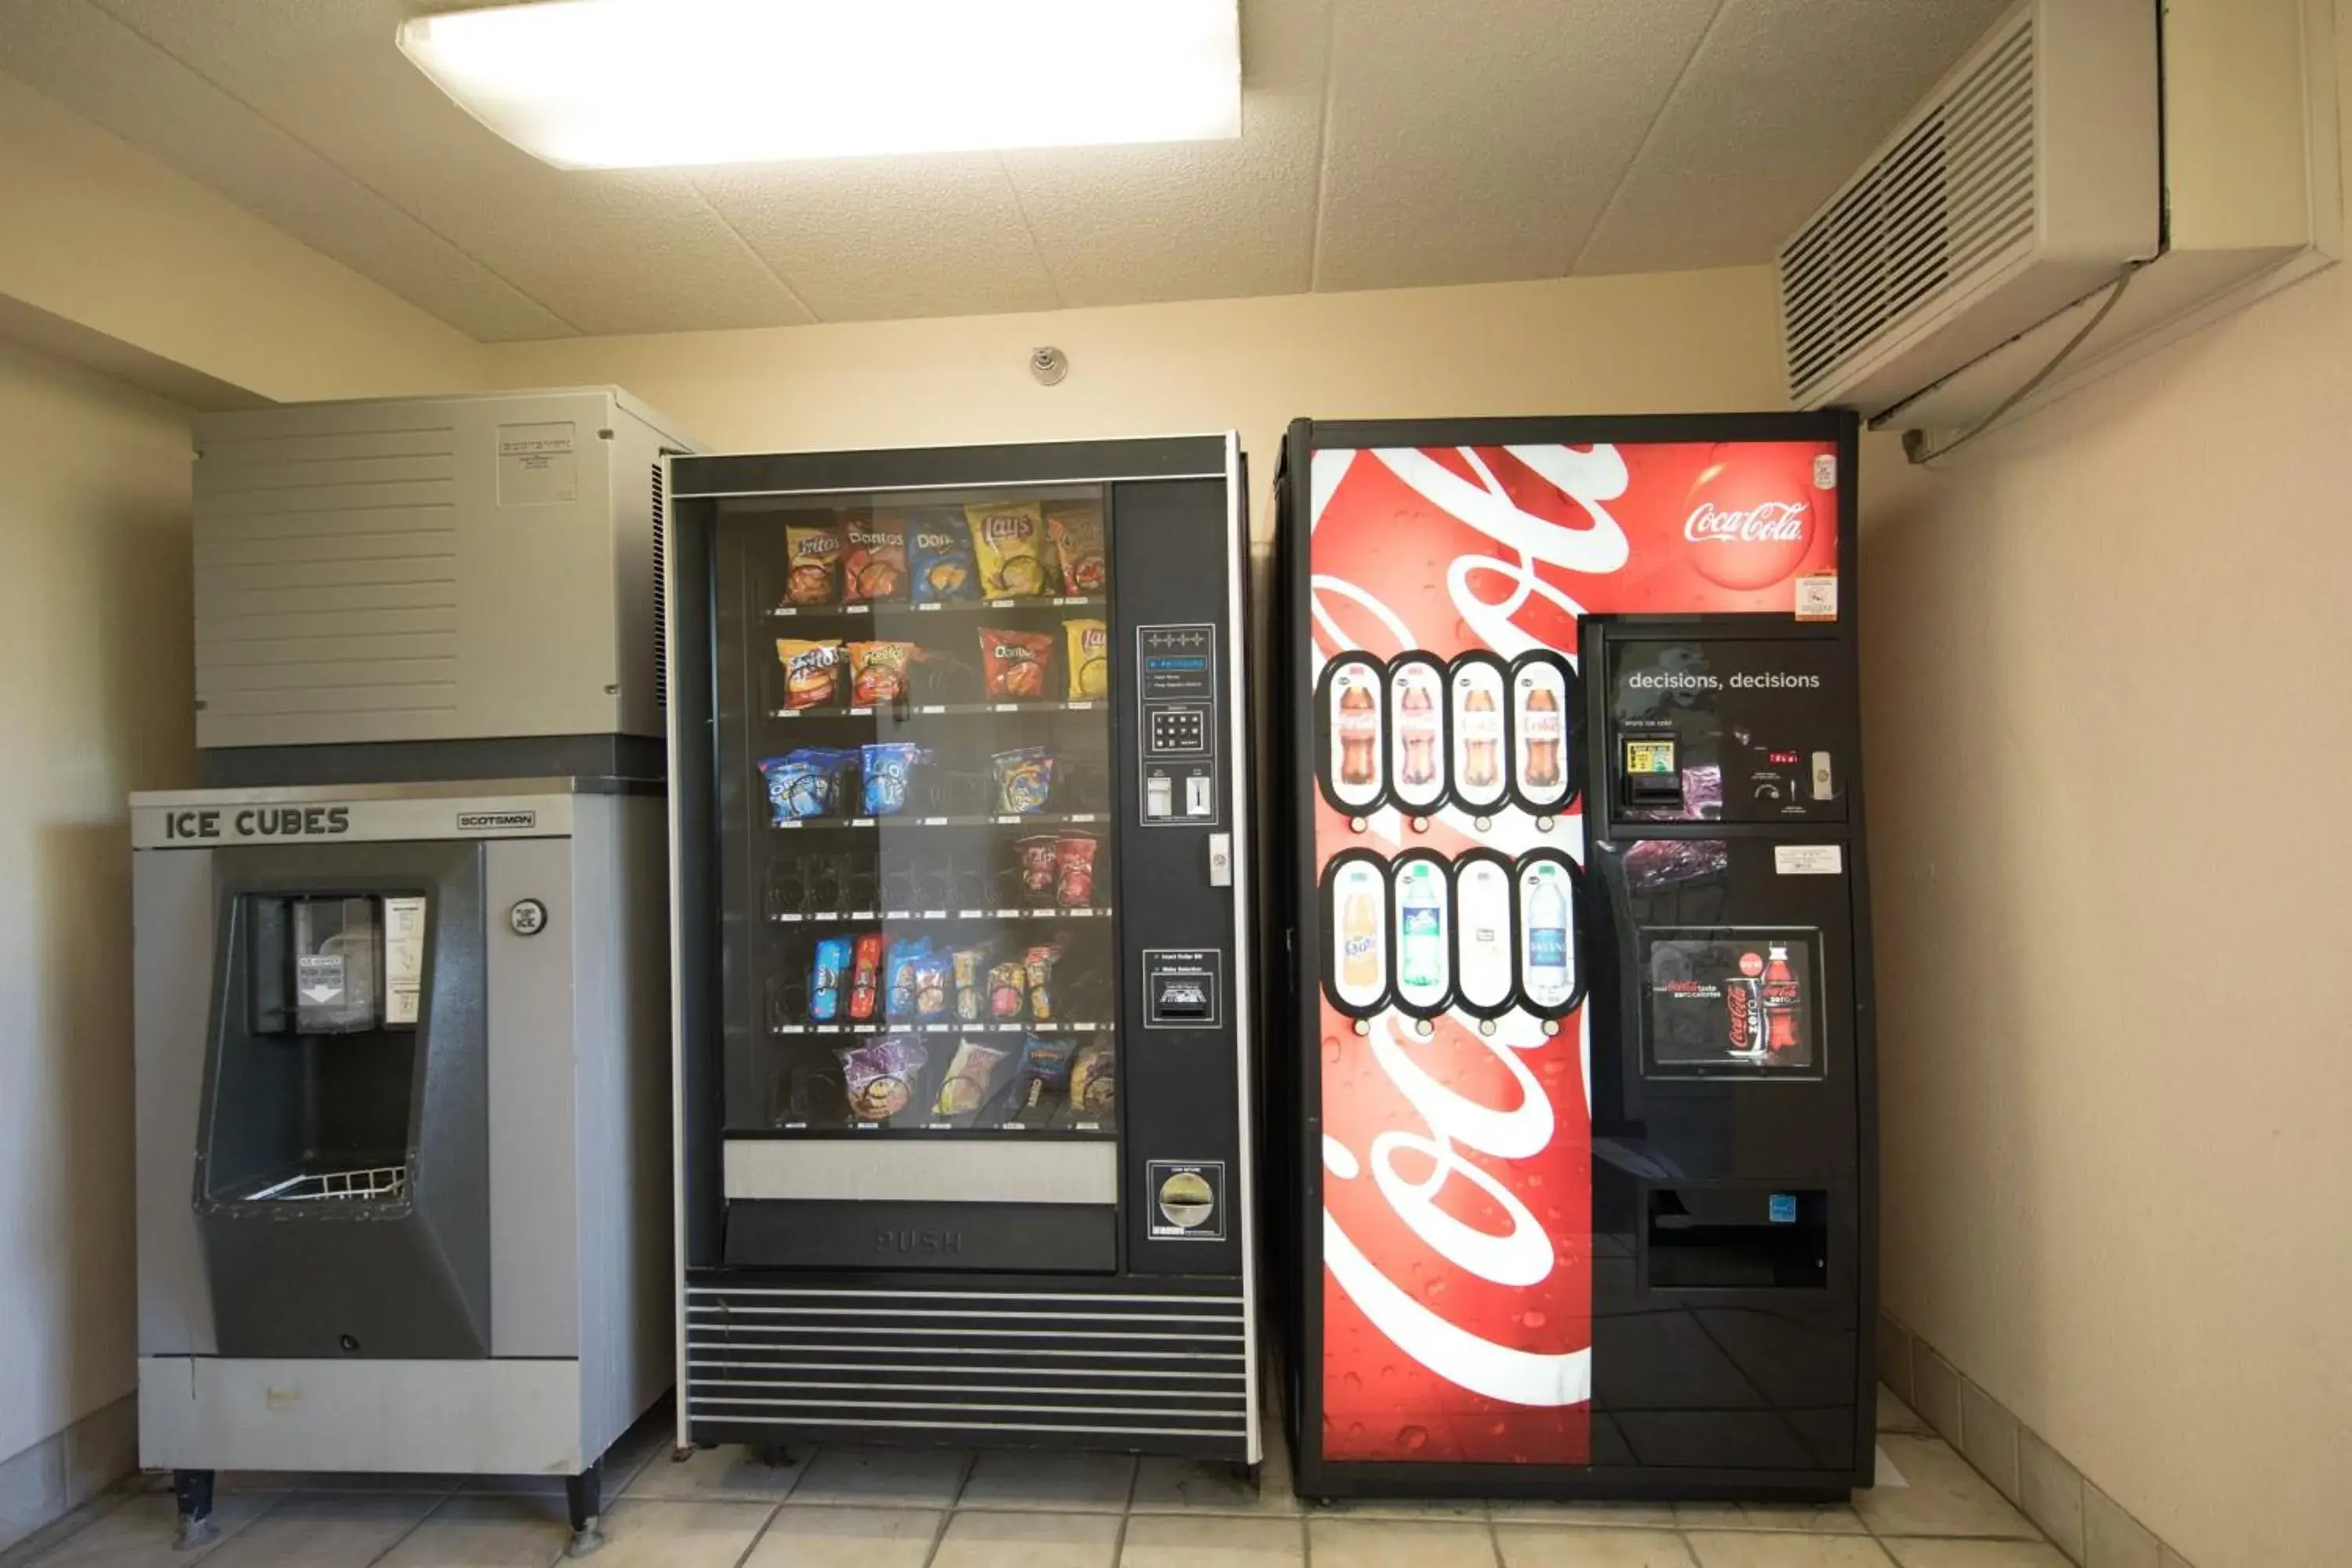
x=1782, y=759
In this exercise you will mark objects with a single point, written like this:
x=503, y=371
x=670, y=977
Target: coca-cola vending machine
x=1572, y=937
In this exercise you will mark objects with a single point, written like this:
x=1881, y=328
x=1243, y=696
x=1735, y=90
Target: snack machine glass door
x=916, y=815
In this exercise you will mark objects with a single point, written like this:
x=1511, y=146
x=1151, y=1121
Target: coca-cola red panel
x=1456, y=1180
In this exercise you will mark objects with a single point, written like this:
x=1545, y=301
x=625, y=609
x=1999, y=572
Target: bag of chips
x=1077, y=531
x=1013, y=663
x=878, y=672
x=812, y=670
x=940, y=549
x=1074, y=871
x=1094, y=1080
x=812, y=564
x=874, y=560
x=880, y=1075
x=1024, y=780
x=1040, y=866
x=1009, y=539
x=971, y=1079
x=1089, y=654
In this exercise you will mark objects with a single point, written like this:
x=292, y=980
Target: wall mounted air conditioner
x=2192, y=144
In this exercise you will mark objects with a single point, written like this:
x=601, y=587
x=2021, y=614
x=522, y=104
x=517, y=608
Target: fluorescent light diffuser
x=634, y=84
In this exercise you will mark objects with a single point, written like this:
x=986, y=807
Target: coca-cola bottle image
x=1542, y=733
x=1358, y=728
x=1481, y=741
x=1780, y=999
x=1417, y=725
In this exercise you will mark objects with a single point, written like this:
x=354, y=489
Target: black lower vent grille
x=1146, y=1372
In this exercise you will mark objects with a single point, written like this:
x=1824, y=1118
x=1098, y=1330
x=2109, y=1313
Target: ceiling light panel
x=621, y=84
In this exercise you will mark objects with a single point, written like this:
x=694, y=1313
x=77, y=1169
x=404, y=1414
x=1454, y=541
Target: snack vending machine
x=962, y=955
x=1572, y=945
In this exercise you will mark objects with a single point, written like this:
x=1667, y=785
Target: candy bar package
x=866, y=978
x=1009, y=540
x=1015, y=662
x=934, y=984
x=899, y=1000
x=1024, y=780
x=971, y=1079
x=874, y=560
x=1077, y=531
x=971, y=995
x=889, y=772
x=1074, y=871
x=802, y=784
x=938, y=545
x=1037, y=963
x=1044, y=1075
x=825, y=977
x=1089, y=659
x=880, y=1076
x=812, y=670
x=878, y=672
x=1094, y=1081
x=812, y=564
x=1008, y=988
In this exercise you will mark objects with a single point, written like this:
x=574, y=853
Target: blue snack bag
x=889, y=768
x=825, y=979
x=940, y=546
x=801, y=784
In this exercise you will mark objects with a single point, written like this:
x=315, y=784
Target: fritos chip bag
x=811, y=564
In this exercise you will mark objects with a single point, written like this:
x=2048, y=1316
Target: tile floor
x=849, y=1507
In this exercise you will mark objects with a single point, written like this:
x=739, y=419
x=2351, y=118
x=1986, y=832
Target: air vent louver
x=1954, y=192
x=661, y=594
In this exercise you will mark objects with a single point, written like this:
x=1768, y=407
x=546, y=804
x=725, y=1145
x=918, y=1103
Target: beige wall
x=2106, y=656
x=1631, y=344
x=108, y=256
x=96, y=702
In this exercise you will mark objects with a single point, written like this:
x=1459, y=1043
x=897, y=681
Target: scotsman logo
x=1775, y=522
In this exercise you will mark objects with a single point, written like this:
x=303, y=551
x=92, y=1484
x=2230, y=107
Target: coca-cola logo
x=1748, y=518
x=1779, y=520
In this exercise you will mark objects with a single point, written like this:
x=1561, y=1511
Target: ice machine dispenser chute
x=341, y=1179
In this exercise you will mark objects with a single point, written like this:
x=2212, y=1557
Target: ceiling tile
x=610, y=252
x=1474, y=144
x=83, y=58
x=1782, y=102
x=1201, y=219
x=872, y=238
